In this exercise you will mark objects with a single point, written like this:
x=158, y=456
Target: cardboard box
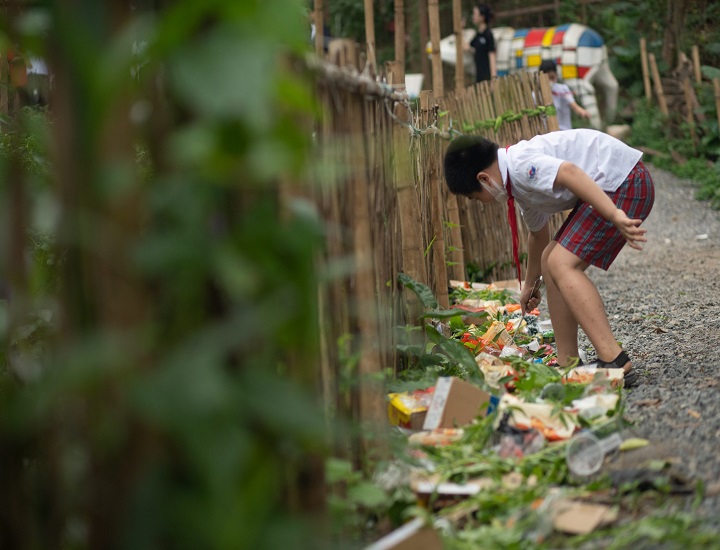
x=581, y=518
x=414, y=535
x=455, y=403
x=408, y=409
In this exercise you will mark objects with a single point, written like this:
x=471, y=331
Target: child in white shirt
x=611, y=193
x=563, y=97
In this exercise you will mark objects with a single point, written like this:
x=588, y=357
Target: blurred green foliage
x=188, y=419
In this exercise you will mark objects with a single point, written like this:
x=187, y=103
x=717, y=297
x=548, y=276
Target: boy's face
x=483, y=196
x=477, y=17
x=487, y=177
x=552, y=76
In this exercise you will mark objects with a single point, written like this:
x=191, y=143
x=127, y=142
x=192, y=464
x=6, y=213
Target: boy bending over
x=611, y=193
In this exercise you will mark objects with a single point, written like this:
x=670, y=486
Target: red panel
x=582, y=71
x=534, y=37
x=558, y=37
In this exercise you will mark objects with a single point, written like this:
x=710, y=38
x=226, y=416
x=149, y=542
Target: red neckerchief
x=512, y=220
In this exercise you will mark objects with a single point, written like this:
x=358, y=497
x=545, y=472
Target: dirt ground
x=664, y=307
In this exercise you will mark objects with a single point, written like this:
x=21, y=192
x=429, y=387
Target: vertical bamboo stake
x=696, y=64
x=690, y=117
x=424, y=32
x=400, y=31
x=319, y=17
x=460, y=58
x=546, y=92
x=370, y=36
x=411, y=245
x=658, y=85
x=371, y=400
x=456, y=269
x=433, y=163
x=437, y=72
x=716, y=87
x=645, y=71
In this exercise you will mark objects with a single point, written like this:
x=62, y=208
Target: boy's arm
x=493, y=66
x=579, y=111
x=584, y=187
x=537, y=241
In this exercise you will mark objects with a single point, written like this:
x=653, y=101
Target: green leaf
x=710, y=72
x=337, y=470
x=423, y=292
x=366, y=494
x=459, y=354
x=444, y=314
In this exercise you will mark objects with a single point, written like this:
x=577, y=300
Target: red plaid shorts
x=595, y=240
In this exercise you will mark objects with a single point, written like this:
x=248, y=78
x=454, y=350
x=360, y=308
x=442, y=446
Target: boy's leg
x=564, y=323
x=571, y=289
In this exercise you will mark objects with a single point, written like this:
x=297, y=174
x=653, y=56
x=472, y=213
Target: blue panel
x=502, y=73
x=590, y=39
x=521, y=32
x=519, y=62
x=562, y=28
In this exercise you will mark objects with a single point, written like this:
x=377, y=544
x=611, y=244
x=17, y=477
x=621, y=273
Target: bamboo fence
x=386, y=209
x=504, y=111
x=677, y=92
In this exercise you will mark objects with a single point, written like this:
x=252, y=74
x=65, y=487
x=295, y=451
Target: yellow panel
x=569, y=71
x=534, y=60
x=519, y=53
x=548, y=37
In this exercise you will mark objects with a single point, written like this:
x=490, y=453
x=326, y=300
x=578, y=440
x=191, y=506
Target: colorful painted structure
x=579, y=52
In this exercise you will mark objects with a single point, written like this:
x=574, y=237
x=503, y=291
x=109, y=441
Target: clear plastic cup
x=585, y=452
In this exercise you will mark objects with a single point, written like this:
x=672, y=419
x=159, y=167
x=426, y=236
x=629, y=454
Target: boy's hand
x=630, y=229
x=529, y=301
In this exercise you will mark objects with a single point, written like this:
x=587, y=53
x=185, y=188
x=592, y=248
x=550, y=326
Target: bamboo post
x=690, y=118
x=457, y=266
x=645, y=71
x=344, y=52
x=658, y=85
x=424, y=32
x=523, y=104
x=400, y=31
x=370, y=36
x=319, y=19
x=371, y=399
x=716, y=87
x=413, y=263
x=546, y=92
x=437, y=72
x=696, y=63
x=437, y=245
x=460, y=57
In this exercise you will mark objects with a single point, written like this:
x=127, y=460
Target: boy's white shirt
x=533, y=166
x=563, y=98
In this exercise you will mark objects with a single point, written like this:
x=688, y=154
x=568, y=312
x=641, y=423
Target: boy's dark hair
x=465, y=157
x=548, y=66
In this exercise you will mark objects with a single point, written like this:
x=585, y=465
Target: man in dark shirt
x=483, y=45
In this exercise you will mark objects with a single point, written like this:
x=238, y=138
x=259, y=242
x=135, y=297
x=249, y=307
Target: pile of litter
x=516, y=452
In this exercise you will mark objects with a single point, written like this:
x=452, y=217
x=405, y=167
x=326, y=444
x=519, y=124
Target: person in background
x=483, y=45
x=562, y=97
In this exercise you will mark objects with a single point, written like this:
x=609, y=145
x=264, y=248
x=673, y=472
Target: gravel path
x=664, y=306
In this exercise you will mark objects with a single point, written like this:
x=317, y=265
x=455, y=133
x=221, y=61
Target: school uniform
x=529, y=169
x=562, y=99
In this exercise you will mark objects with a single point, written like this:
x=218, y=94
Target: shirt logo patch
x=532, y=172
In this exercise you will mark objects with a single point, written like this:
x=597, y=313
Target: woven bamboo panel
x=486, y=234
